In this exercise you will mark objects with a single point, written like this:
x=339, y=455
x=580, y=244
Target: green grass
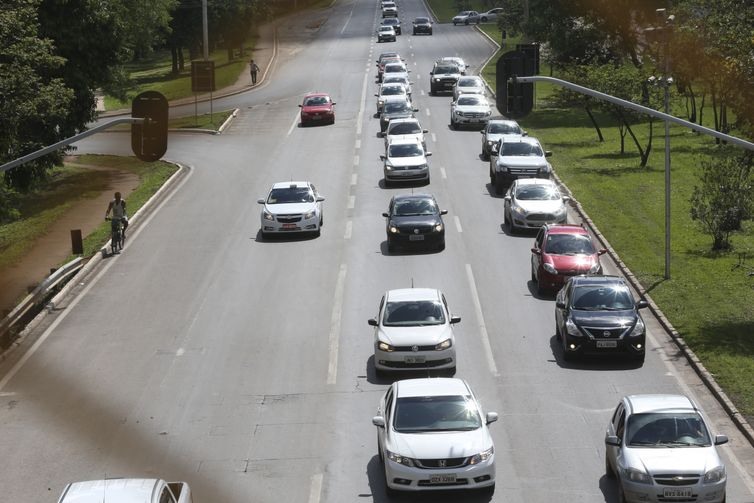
x=205, y=121
x=445, y=10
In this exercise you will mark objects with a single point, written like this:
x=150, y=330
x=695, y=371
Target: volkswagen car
x=317, y=108
x=404, y=129
x=521, y=157
x=660, y=448
x=443, y=77
x=533, y=202
x=292, y=207
x=390, y=92
x=405, y=161
x=414, y=220
x=432, y=436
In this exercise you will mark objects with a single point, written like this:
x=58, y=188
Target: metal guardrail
x=39, y=293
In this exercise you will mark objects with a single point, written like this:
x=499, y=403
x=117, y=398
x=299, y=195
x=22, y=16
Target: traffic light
x=515, y=99
x=149, y=140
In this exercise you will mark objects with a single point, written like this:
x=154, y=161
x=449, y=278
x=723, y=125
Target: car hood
x=414, y=136
x=290, y=207
x=522, y=160
x=472, y=108
x=418, y=220
x=316, y=108
x=401, y=162
x=566, y=263
x=441, y=445
x=495, y=137
x=447, y=75
x=672, y=460
x=603, y=318
x=409, y=336
x=534, y=206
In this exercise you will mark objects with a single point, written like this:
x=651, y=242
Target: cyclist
x=118, y=207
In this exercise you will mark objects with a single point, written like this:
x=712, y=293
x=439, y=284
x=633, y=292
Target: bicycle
x=117, y=238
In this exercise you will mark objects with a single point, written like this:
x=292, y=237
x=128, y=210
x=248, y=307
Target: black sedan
x=422, y=25
x=394, y=22
x=598, y=315
x=415, y=220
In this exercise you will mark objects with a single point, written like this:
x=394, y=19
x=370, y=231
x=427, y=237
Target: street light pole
x=205, y=30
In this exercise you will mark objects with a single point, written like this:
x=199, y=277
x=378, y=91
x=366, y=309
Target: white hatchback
x=291, y=207
x=432, y=436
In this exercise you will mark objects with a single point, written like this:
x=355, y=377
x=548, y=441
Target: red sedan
x=561, y=251
x=317, y=108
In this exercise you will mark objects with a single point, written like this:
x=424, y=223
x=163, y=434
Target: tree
x=724, y=198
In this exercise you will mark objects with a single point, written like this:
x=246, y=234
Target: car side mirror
x=525, y=133
x=260, y=201
x=491, y=417
x=455, y=319
x=721, y=439
x=381, y=134
x=386, y=215
x=483, y=132
x=612, y=440
x=372, y=322
x=548, y=153
x=319, y=199
x=334, y=103
x=300, y=106
x=536, y=251
x=415, y=109
x=642, y=304
x=566, y=199
x=602, y=251
x=378, y=421
x=560, y=304
x=425, y=131
x=376, y=95
x=382, y=158
x=427, y=154
x=507, y=198
x=443, y=212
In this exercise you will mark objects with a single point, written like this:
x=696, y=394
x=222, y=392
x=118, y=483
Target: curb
x=227, y=121
x=706, y=376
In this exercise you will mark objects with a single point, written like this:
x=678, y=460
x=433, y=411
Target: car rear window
x=503, y=128
x=406, y=150
x=405, y=128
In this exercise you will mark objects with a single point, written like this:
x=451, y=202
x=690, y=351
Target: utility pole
x=205, y=31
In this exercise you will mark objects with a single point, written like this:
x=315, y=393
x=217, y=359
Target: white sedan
x=432, y=436
x=413, y=331
x=470, y=109
x=292, y=207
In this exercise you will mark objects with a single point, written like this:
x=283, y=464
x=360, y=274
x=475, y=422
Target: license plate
x=414, y=359
x=607, y=344
x=448, y=478
x=416, y=237
x=289, y=226
x=677, y=492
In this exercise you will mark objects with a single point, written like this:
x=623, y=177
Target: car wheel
x=388, y=183
x=499, y=186
x=533, y=275
x=540, y=289
x=430, y=32
x=454, y=23
x=414, y=33
x=484, y=19
x=608, y=469
x=621, y=494
x=264, y=235
x=485, y=155
x=466, y=22
x=569, y=357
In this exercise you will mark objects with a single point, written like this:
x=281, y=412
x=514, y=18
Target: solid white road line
x=480, y=320
x=434, y=137
x=426, y=110
x=337, y=308
x=315, y=490
x=294, y=124
x=458, y=223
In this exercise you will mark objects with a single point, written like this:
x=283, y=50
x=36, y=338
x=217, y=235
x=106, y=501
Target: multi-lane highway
x=243, y=366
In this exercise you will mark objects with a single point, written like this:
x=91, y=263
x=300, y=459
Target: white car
x=398, y=79
x=413, y=331
x=405, y=161
x=490, y=15
x=432, y=435
x=470, y=109
x=498, y=130
x=395, y=69
x=466, y=17
x=458, y=61
x=532, y=202
x=404, y=129
x=469, y=85
x=292, y=207
x=660, y=448
x=386, y=34
x=515, y=158
x=389, y=9
x=389, y=92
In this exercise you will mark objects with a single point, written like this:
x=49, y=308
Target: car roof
x=402, y=120
x=597, y=280
x=659, y=402
x=312, y=95
x=406, y=197
x=523, y=139
x=431, y=386
x=537, y=181
x=291, y=184
x=403, y=294
x=564, y=228
x=111, y=490
x=400, y=140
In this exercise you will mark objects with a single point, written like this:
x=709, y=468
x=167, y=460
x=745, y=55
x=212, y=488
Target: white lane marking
x=349, y=230
x=180, y=352
x=480, y=320
x=337, y=308
x=426, y=110
x=294, y=124
x=354, y=178
x=434, y=138
x=42, y=338
x=458, y=223
x=443, y=173
x=316, y=488
x=356, y=160
x=347, y=21
x=360, y=115
x=351, y=202
x=357, y=145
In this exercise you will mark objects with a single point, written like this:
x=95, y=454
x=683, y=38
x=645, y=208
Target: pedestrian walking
x=253, y=68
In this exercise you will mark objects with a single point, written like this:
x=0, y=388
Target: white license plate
x=448, y=478
x=416, y=237
x=677, y=492
x=289, y=226
x=414, y=359
x=607, y=344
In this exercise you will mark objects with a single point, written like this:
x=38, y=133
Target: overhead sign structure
x=516, y=99
x=149, y=140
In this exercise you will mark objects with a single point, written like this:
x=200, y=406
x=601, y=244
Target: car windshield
x=413, y=207
x=667, y=429
x=395, y=79
x=390, y=21
x=394, y=68
x=503, y=128
x=436, y=413
x=386, y=28
x=316, y=100
x=396, y=107
x=290, y=195
x=568, y=244
x=602, y=298
x=467, y=82
x=392, y=90
x=406, y=150
x=521, y=149
x=537, y=193
x=413, y=313
x=446, y=69
x=405, y=128
x=421, y=20
x=470, y=100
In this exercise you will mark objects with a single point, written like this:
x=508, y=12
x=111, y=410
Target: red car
x=317, y=108
x=561, y=251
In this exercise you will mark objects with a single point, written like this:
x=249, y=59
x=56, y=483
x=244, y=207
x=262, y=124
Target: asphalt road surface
x=244, y=367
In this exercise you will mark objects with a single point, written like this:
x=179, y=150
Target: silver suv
x=660, y=448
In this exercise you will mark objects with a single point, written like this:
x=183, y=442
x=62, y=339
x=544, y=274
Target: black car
x=395, y=110
x=598, y=315
x=422, y=25
x=394, y=22
x=443, y=77
x=415, y=220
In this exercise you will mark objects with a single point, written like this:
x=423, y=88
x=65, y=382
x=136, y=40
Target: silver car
x=660, y=448
x=405, y=161
x=469, y=85
x=470, y=110
x=388, y=92
x=405, y=129
x=532, y=202
x=498, y=130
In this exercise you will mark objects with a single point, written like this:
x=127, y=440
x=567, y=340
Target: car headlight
x=384, y=346
x=421, y=166
x=437, y=79
x=490, y=142
x=388, y=167
x=502, y=167
x=482, y=456
x=444, y=345
x=638, y=329
x=393, y=229
x=310, y=214
x=401, y=460
x=487, y=113
x=637, y=476
x=268, y=216
x=380, y=103
x=715, y=475
x=549, y=268
x=572, y=329
x=596, y=267
x=520, y=211
x=438, y=228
